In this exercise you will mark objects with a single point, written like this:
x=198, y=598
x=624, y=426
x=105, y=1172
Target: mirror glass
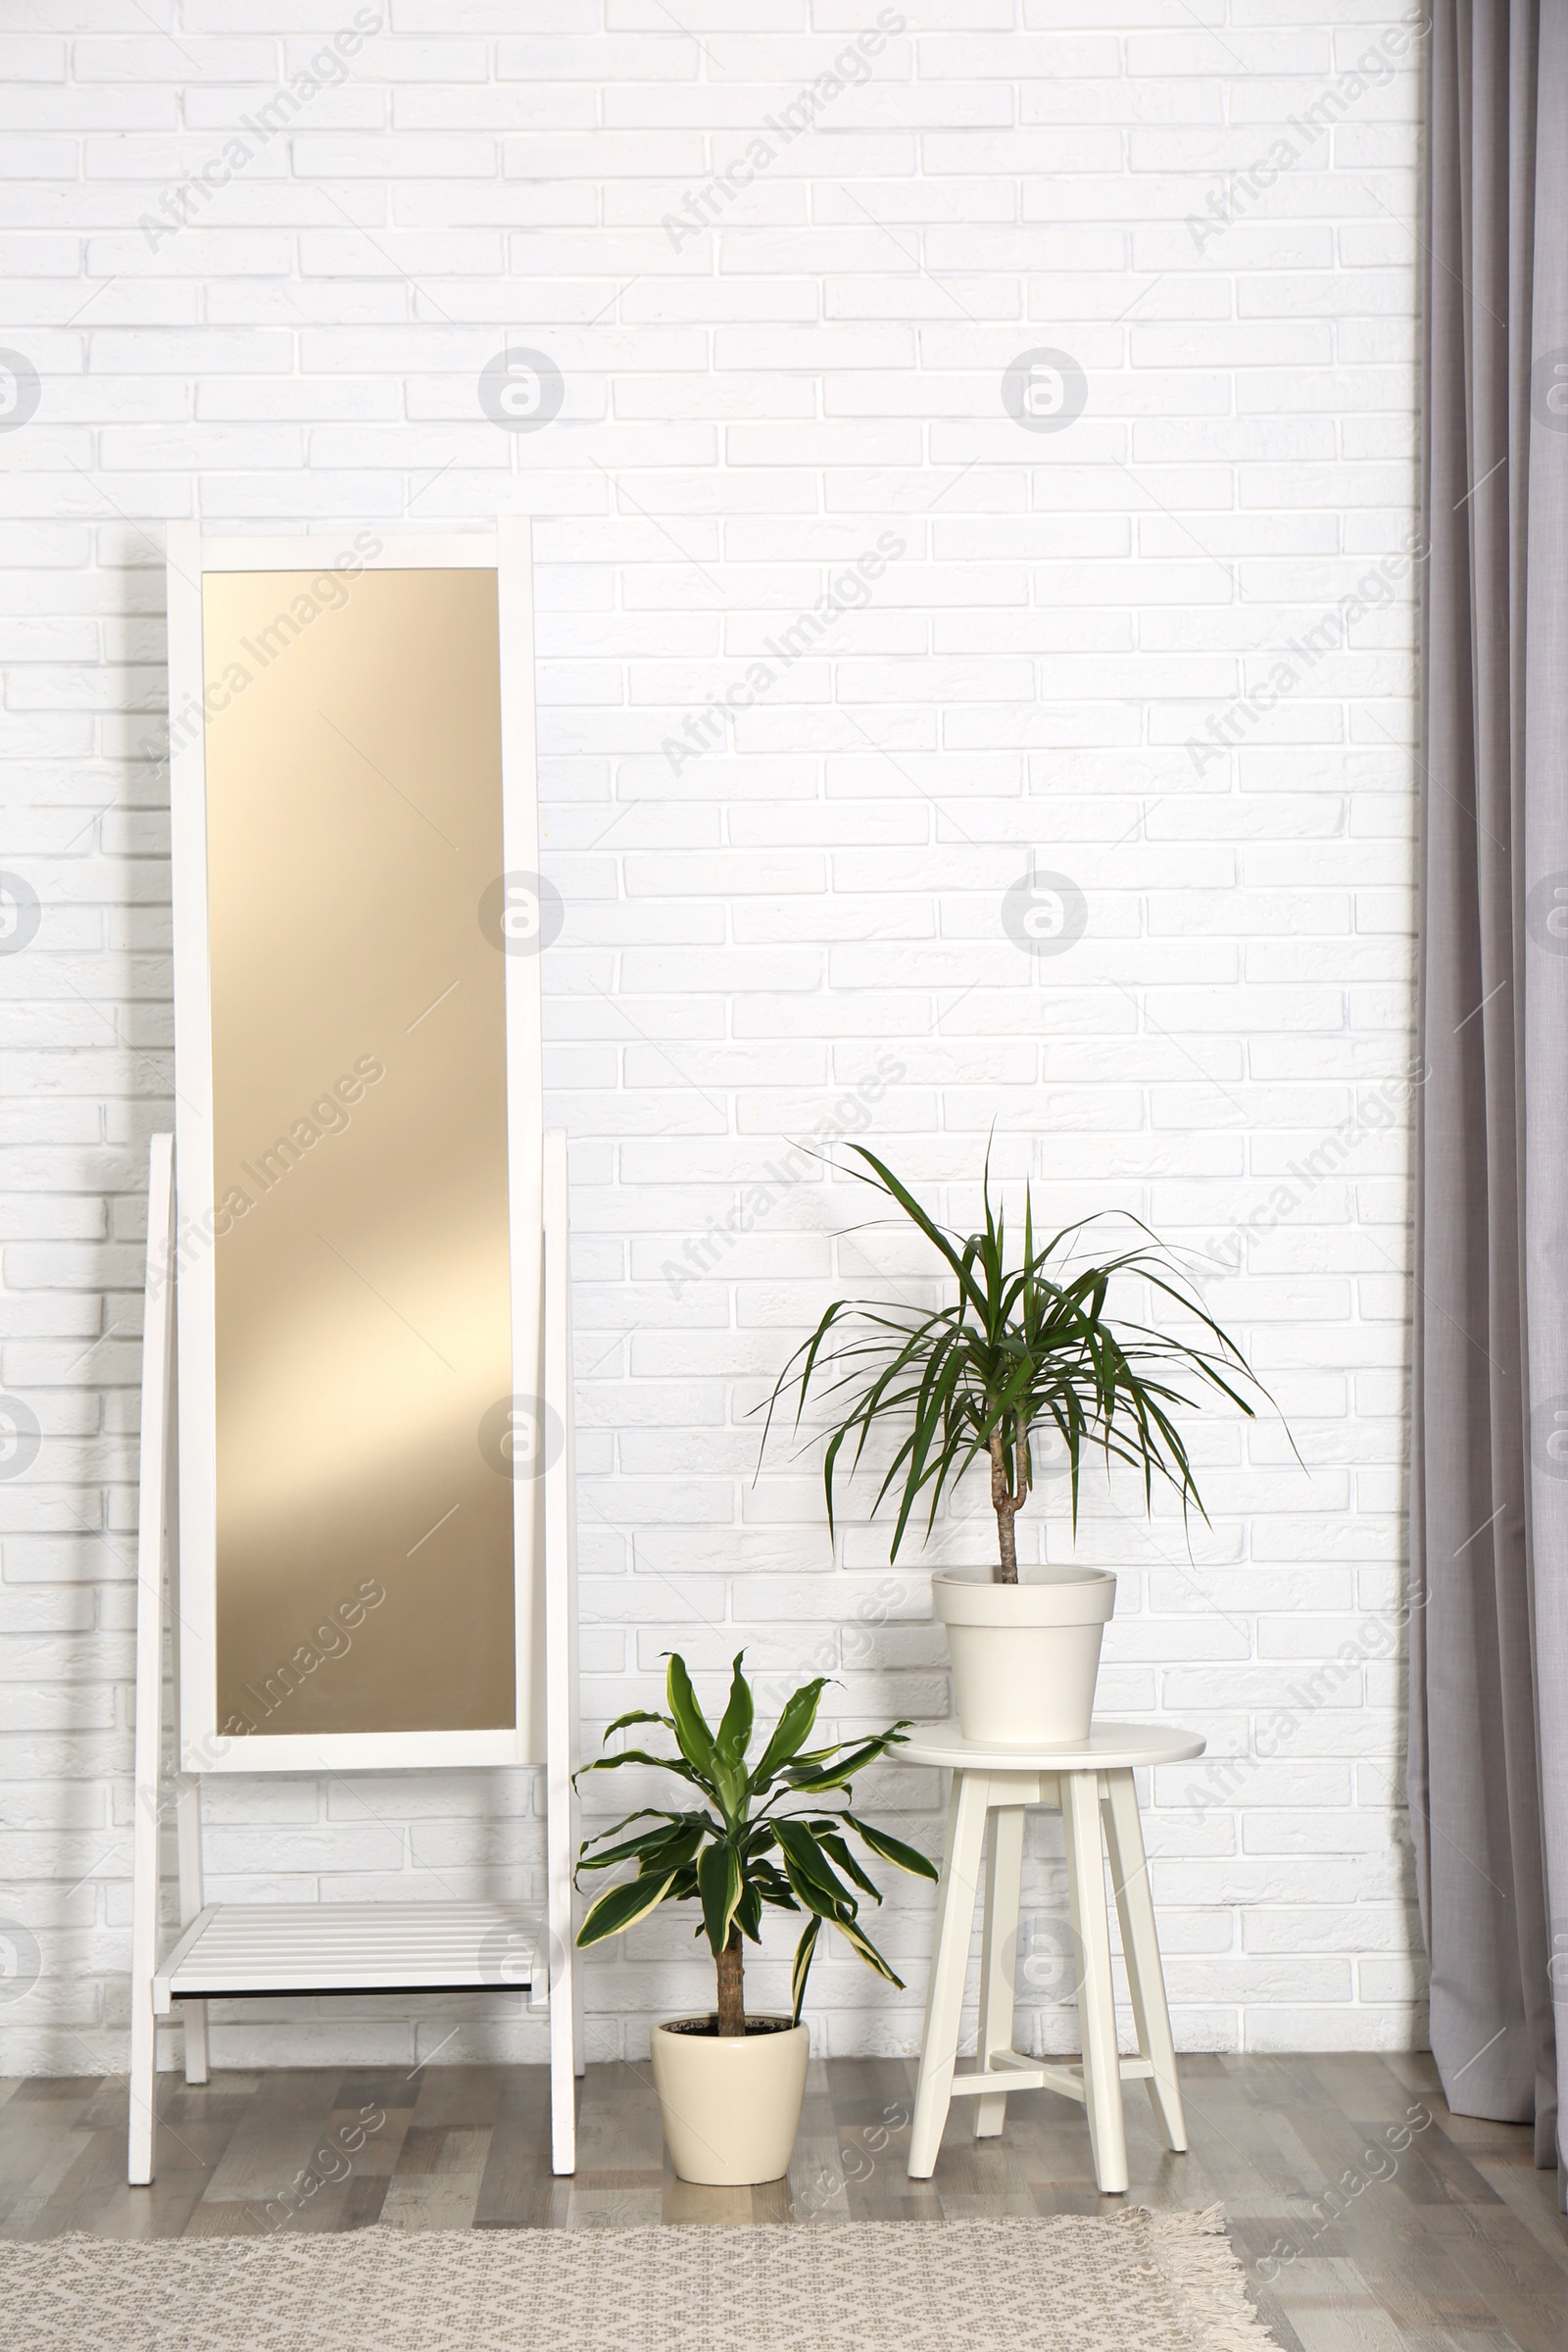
x=364, y=1576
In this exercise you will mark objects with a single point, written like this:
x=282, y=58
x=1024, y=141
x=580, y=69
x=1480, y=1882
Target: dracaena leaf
x=642, y=1813
x=669, y=1848
x=636, y=1715
x=790, y=1732
x=691, y=1724
x=730, y=1791
x=803, y=1966
x=735, y=1730
x=809, y=1865
x=721, y=1885
x=892, y=1850
x=748, y=1912
x=834, y=1847
x=834, y=1776
x=640, y=1755
x=860, y=1943
x=621, y=1907
x=812, y=1896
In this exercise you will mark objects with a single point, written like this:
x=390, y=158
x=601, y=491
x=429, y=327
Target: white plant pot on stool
x=1026, y=1656
x=730, y=2105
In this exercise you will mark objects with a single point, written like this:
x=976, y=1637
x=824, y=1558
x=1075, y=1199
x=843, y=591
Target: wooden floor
x=1368, y=2217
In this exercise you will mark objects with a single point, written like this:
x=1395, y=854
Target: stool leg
x=998, y=1955
x=1145, y=1979
x=1096, y=2005
x=950, y=1960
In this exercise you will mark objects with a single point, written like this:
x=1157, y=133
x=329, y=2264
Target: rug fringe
x=1213, y=2294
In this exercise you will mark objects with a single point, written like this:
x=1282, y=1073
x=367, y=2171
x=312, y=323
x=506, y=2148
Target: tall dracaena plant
x=1024, y=1346
x=755, y=1835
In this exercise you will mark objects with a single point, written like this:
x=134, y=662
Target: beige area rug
x=1137, y=2283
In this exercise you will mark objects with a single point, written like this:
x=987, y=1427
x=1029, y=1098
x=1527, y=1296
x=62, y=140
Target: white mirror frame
x=203, y=1750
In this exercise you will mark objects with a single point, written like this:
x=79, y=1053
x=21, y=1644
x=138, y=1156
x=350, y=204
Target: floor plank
x=1368, y=2218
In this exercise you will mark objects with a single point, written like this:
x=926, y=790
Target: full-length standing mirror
x=358, y=919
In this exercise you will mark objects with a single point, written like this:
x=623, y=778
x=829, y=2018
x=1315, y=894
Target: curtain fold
x=1487, y=1775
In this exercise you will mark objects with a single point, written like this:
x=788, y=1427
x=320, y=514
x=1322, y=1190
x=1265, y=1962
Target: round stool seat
x=1110, y=1748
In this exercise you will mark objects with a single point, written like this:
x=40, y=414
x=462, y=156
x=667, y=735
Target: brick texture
x=983, y=466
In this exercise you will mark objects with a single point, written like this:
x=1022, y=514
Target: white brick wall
x=754, y=932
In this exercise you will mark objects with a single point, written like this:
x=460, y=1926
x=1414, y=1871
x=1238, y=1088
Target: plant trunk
x=1007, y=1572
x=1007, y=1508
x=731, y=1988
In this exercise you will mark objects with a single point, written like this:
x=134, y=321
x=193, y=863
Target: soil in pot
x=705, y=2028
x=730, y=2103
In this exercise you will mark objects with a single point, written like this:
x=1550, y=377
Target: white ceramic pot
x=732, y=2108
x=1025, y=1656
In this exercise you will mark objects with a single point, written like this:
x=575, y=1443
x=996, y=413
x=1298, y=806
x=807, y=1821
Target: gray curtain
x=1489, y=1619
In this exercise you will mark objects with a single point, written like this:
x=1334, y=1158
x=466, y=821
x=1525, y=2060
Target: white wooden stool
x=1089, y=1780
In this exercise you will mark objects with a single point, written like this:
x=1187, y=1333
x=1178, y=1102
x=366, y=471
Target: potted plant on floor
x=1025, y=1347
x=754, y=1835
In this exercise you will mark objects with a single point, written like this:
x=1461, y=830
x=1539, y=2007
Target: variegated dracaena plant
x=755, y=1835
